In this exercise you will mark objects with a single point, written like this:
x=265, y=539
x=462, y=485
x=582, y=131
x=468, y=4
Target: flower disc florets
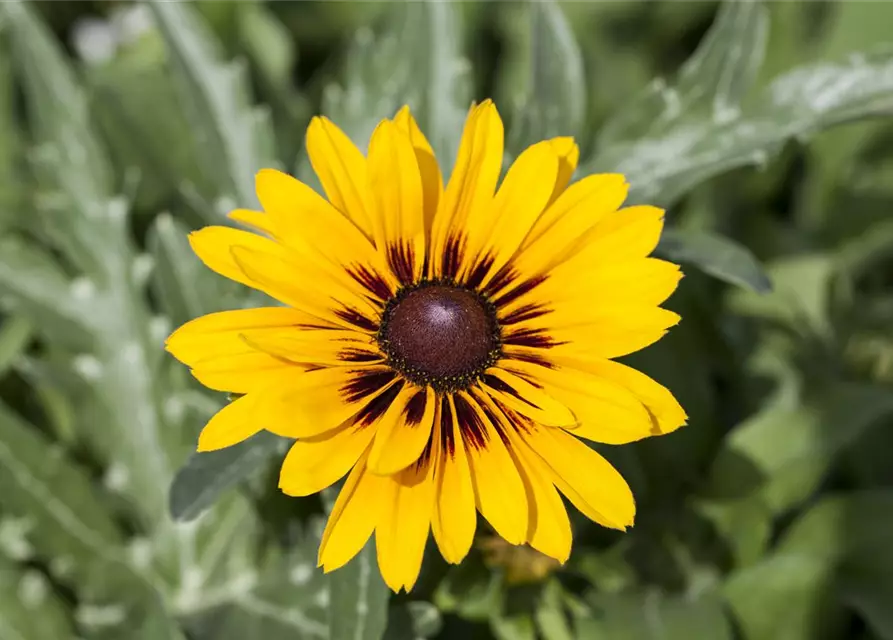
x=440, y=334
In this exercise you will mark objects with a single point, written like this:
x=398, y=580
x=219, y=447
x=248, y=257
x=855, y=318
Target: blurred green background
x=766, y=131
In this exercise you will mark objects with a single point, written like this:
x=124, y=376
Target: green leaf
x=720, y=257
x=358, y=608
x=417, y=61
x=800, y=296
x=555, y=100
x=57, y=105
x=205, y=476
x=653, y=616
x=412, y=620
x=783, y=452
x=135, y=106
x=784, y=597
x=282, y=597
x=61, y=518
x=232, y=140
x=28, y=607
x=15, y=335
x=710, y=85
x=664, y=165
x=851, y=532
x=185, y=287
x=551, y=619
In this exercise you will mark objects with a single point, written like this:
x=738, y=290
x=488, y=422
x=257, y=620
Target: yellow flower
x=445, y=347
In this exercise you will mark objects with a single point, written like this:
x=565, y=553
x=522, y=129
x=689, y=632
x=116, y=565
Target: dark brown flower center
x=440, y=335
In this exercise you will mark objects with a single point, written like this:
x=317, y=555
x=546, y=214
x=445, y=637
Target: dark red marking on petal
x=503, y=278
x=501, y=385
x=477, y=275
x=524, y=288
x=471, y=425
x=356, y=318
x=532, y=358
x=359, y=355
x=525, y=312
x=528, y=337
x=514, y=419
x=415, y=409
x=401, y=258
x=451, y=258
x=365, y=382
x=447, y=441
x=496, y=420
x=376, y=407
x=372, y=281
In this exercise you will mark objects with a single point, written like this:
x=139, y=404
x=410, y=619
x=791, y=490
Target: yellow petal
x=432, y=182
x=587, y=479
x=314, y=402
x=568, y=155
x=214, y=334
x=213, y=244
x=473, y=179
x=640, y=281
x=568, y=223
x=403, y=431
x=353, y=518
x=631, y=232
x=311, y=292
x=455, y=518
x=312, y=464
x=606, y=411
x=496, y=232
x=236, y=422
x=314, y=346
x=253, y=219
x=499, y=491
x=341, y=169
x=402, y=529
x=666, y=413
x=396, y=183
x=521, y=396
x=549, y=529
x=314, y=229
x=609, y=332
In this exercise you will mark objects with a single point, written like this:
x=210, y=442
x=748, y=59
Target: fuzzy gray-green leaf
x=206, y=475
x=716, y=255
x=229, y=135
x=359, y=599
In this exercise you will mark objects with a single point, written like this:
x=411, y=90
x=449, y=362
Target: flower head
x=448, y=349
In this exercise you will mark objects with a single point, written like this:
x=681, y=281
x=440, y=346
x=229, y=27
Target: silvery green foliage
x=134, y=407
x=676, y=136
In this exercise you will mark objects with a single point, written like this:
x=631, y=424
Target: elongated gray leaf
x=186, y=288
x=711, y=84
x=60, y=518
x=206, y=475
x=57, y=104
x=716, y=255
x=797, y=104
x=231, y=138
x=358, y=609
x=418, y=61
x=28, y=607
x=555, y=100
x=79, y=214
